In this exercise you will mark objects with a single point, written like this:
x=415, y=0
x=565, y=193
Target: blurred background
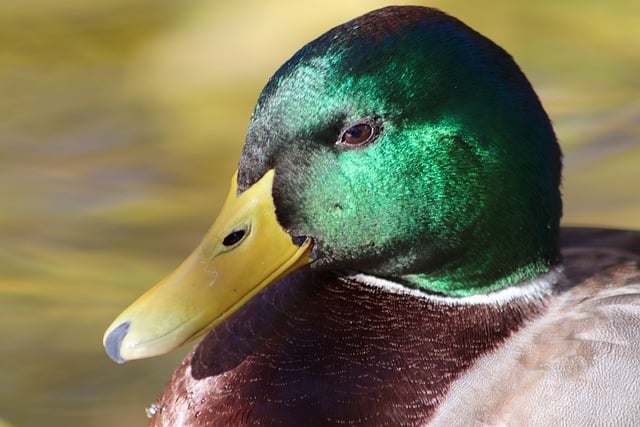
x=121, y=122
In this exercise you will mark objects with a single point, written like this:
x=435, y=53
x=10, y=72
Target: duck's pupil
x=358, y=134
x=234, y=237
x=355, y=132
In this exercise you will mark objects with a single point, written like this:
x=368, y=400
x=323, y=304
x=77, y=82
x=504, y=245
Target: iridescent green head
x=408, y=146
x=402, y=145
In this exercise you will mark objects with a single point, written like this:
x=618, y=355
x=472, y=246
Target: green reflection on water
x=122, y=122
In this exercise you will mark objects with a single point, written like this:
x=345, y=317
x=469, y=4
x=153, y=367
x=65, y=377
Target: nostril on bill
x=234, y=237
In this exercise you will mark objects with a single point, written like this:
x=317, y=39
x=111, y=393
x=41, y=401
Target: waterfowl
x=390, y=253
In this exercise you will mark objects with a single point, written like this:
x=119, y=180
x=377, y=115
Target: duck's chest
x=314, y=350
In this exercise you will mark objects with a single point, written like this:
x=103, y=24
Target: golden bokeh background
x=121, y=122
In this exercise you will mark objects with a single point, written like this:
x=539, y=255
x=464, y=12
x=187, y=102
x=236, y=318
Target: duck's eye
x=358, y=134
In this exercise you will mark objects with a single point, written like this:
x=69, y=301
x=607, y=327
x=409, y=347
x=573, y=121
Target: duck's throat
x=317, y=348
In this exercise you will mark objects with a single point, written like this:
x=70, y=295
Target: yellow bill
x=244, y=251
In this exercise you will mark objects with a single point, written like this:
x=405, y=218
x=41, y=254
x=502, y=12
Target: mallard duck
x=390, y=253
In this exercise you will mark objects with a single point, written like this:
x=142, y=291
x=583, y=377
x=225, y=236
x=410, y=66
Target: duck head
x=401, y=144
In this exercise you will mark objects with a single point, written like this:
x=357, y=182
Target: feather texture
x=313, y=349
